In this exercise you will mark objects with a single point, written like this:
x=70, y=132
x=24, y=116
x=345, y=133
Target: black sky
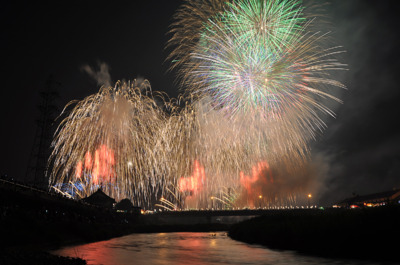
x=359, y=151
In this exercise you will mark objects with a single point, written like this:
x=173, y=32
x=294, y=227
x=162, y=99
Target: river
x=187, y=248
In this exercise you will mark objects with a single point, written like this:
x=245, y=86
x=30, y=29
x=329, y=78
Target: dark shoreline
x=40, y=252
x=365, y=234
x=33, y=223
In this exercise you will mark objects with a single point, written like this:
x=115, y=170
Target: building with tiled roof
x=99, y=198
x=371, y=200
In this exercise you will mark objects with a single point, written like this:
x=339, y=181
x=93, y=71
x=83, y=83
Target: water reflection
x=185, y=248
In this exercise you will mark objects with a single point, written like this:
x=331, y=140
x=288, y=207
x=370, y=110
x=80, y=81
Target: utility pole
x=36, y=173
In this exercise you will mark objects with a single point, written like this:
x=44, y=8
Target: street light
x=260, y=197
x=309, y=199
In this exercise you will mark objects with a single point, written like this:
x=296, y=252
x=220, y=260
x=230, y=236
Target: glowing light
x=194, y=183
x=256, y=83
x=79, y=169
x=258, y=64
x=257, y=173
x=104, y=131
x=259, y=77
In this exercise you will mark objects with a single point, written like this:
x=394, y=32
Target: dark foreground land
x=33, y=222
x=370, y=233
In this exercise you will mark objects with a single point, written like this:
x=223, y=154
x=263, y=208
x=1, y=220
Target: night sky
x=358, y=153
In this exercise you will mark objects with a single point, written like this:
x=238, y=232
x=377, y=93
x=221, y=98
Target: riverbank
x=338, y=233
x=33, y=222
x=34, y=257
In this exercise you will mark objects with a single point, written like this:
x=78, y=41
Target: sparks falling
x=108, y=140
x=255, y=80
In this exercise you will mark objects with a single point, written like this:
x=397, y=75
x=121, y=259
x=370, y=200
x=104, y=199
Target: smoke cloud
x=101, y=75
x=359, y=151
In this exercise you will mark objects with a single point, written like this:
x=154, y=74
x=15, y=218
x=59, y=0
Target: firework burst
x=259, y=78
x=108, y=141
x=255, y=81
x=255, y=58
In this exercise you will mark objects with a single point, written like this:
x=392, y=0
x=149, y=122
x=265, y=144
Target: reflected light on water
x=186, y=248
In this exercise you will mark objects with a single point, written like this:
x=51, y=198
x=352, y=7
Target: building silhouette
x=371, y=200
x=100, y=199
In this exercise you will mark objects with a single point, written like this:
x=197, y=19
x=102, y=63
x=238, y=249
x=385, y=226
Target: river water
x=187, y=248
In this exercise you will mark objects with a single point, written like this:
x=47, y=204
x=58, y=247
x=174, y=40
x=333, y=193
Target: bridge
x=194, y=217
x=18, y=192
